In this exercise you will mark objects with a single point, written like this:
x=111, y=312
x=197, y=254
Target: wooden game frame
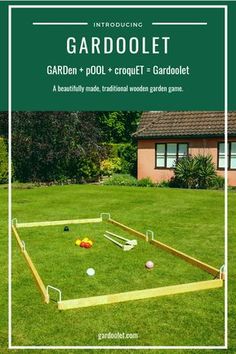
x=217, y=282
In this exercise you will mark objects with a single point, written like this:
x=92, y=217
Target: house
x=164, y=137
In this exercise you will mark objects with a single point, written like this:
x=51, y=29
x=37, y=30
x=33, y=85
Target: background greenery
x=69, y=147
x=197, y=171
x=82, y=147
x=3, y=161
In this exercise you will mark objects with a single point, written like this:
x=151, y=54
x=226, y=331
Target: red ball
x=82, y=244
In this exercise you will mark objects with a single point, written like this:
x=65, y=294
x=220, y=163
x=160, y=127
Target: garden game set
x=120, y=244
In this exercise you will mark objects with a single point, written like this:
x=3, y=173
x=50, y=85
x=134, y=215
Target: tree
x=118, y=127
x=3, y=161
x=3, y=124
x=55, y=146
x=4, y=147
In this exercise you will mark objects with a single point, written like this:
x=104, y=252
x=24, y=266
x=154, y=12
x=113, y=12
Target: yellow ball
x=78, y=242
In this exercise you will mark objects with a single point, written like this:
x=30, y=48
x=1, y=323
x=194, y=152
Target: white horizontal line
x=114, y=347
x=118, y=6
x=60, y=23
x=179, y=23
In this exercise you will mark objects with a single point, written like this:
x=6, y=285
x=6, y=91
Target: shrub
x=163, y=184
x=128, y=180
x=86, y=171
x=110, y=166
x=145, y=182
x=185, y=173
x=194, y=172
x=205, y=170
x=218, y=182
x=127, y=153
x=121, y=180
x=3, y=162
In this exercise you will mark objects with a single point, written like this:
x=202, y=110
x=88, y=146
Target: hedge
x=3, y=162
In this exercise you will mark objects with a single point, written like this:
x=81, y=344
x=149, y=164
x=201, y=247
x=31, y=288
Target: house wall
x=146, y=157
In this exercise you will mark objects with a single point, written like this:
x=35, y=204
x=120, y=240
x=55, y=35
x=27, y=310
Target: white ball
x=90, y=272
x=149, y=265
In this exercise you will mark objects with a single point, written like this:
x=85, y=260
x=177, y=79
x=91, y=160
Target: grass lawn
x=191, y=221
x=116, y=270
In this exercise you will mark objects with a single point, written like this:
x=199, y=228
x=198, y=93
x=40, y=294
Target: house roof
x=157, y=124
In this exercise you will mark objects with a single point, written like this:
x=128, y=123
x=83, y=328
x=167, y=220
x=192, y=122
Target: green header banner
x=117, y=57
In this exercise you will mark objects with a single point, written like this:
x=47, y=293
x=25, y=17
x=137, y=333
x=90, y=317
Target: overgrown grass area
x=189, y=220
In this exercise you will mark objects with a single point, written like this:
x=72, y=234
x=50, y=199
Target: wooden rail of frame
x=126, y=296
x=34, y=271
x=128, y=229
x=204, y=266
x=60, y=222
x=139, y=294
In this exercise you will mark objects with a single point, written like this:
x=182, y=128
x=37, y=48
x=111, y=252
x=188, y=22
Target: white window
x=168, y=154
x=171, y=155
x=221, y=152
x=183, y=150
x=160, y=155
x=231, y=155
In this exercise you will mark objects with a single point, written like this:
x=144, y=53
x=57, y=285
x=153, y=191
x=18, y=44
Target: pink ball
x=149, y=265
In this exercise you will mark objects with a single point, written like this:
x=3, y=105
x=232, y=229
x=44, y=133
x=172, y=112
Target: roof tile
x=184, y=123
